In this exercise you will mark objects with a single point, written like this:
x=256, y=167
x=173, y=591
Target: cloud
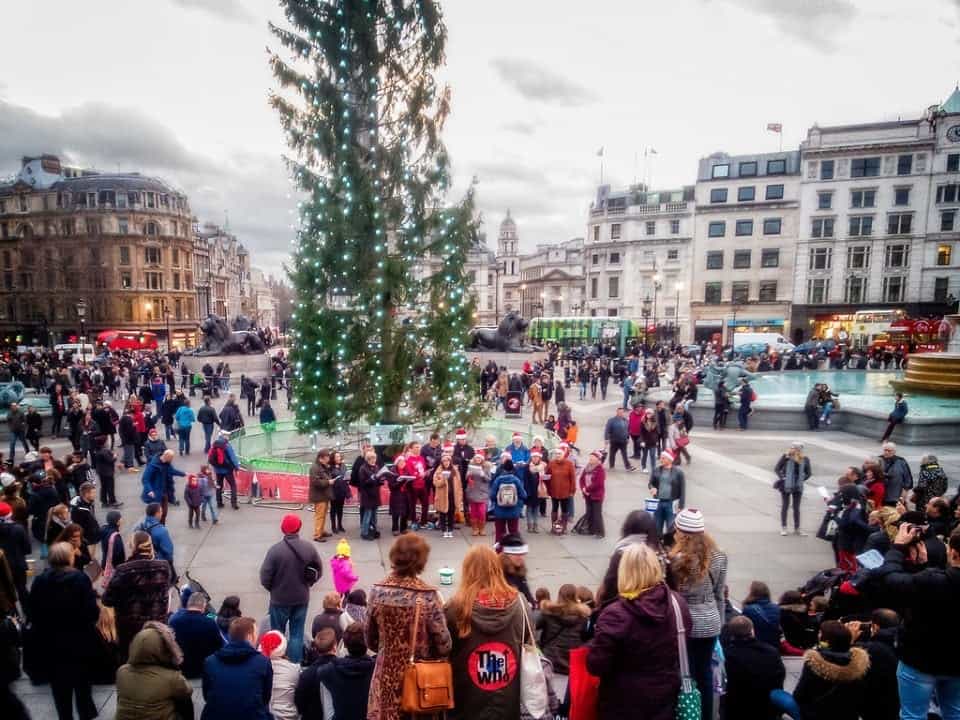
x=232, y=10
x=509, y=172
x=520, y=127
x=540, y=83
x=814, y=22
x=252, y=188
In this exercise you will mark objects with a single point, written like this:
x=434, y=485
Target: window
x=151, y=228
x=93, y=226
x=613, y=287
x=774, y=192
x=651, y=227
x=899, y=224
x=154, y=280
x=717, y=229
x=126, y=281
x=176, y=282
x=768, y=291
x=712, y=292
x=489, y=279
x=818, y=291
x=944, y=253
x=858, y=257
x=715, y=260
x=615, y=231
x=904, y=164
x=822, y=227
x=861, y=225
x=901, y=196
x=863, y=198
x=67, y=227
x=865, y=167
x=824, y=200
x=776, y=167
x=175, y=260
x=740, y=294
x=4, y=231
x=770, y=257
x=123, y=226
x=674, y=227
x=741, y=259
x=718, y=195
x=771, y=226
x=720, y=171
x=894, y=288
x=596, y=233
x=746, y=194
x=826, y=169
x=946, y=220
x=595, y=258
x=855, y=289
x=821, y=258
x=593, y=288
x=152, y=255
x=744, y=227
x=897, y=256
x=940, y=288
x=673, y=254
x=124, y=255
x=748, y=169
x=948, y=193
x=953, y=162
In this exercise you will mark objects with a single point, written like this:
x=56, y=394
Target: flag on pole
x=775, y=127
x=600, y=151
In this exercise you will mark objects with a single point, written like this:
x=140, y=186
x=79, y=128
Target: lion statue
x=508, y=337
x=219, y=339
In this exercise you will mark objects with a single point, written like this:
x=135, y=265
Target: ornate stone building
x=121, y=242
x=223, y=273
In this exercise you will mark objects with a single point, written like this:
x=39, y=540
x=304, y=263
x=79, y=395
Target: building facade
x=264, y=305
x=637, y=257
x=551, y=282
x=121, y=243
x=223, y=273
x=940, y=263
x=742, y=268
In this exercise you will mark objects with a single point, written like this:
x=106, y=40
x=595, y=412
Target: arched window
x=151, y=228
x=25, y=231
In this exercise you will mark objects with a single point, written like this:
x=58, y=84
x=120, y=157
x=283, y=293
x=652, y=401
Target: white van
x=85, y=350
x=776, y=341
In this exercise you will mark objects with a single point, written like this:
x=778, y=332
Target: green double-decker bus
x=572, y=331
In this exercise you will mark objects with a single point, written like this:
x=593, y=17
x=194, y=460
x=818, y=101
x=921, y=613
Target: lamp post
x=523, y=299
x=645, y=311
x=166, y=317
x=82, y=314
x=656, y=289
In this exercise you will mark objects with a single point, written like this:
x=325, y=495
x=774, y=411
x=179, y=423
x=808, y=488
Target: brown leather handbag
x=427, y=684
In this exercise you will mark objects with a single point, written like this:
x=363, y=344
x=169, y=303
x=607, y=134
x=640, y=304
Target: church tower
x=507, y=254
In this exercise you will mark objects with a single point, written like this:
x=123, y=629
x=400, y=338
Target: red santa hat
x=667, y=455
x=448, y=448
x=273, y=644
x=535, y=454
x=598, y=454
x=517, y=436
x=461, y=434
x=478, y=457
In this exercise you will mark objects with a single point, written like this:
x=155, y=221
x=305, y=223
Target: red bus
x=127, y=340
x=916, y=336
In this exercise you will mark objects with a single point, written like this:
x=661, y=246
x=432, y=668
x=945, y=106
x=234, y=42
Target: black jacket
x=832, y=685
x=307, y=695
x=82, y=513
x=198, y=636
x=369, y=486
x=882, y=700
x=63, y=607
x=754, y=668
x=206, y=415
x=16, y=546
x=348, y=681
x=127, y=430
x=927, y=639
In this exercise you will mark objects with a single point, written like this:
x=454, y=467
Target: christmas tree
x=375, y=337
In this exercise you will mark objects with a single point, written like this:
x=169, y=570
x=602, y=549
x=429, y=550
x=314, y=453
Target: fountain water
x=935, y=373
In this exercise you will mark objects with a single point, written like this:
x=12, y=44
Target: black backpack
x=311, y=570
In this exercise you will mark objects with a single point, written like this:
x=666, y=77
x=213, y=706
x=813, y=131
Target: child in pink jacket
x=343, y=576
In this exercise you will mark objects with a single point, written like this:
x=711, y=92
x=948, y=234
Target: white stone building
x=940, y=263
x=747, y=209
x=638, y=247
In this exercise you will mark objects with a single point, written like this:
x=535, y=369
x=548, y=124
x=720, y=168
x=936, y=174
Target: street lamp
x=523, y=299
x=677, y=309
x=645, y=311
x=166, y=316
x=82, y=314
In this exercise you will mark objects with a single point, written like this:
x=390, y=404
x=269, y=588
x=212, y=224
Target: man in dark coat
x=230, y=417
x=82, y=512
x=197, y=635
x=310, y=695
x=754, y=669
x=347, y=679
x=882, y=700
x=15, y=546
x=238, y=680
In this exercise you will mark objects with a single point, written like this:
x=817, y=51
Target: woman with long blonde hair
x=698, y=572
x=488, y=622
x=105, y=650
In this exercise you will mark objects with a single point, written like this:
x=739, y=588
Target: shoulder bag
x=533, y=682
x=688, y=701
x=427, y=684
x=311, y=570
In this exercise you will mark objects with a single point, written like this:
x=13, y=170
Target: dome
x=508, y=224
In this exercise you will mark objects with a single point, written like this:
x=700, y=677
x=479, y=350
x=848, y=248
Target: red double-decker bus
x=124, y=340
x=915, y=335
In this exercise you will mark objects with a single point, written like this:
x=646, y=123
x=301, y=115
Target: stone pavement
x=729, y=479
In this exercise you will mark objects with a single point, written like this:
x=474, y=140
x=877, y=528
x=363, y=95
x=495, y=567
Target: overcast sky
x=179, y=88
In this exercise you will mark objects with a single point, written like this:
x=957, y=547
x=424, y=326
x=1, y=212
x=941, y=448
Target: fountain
x=935, y=373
